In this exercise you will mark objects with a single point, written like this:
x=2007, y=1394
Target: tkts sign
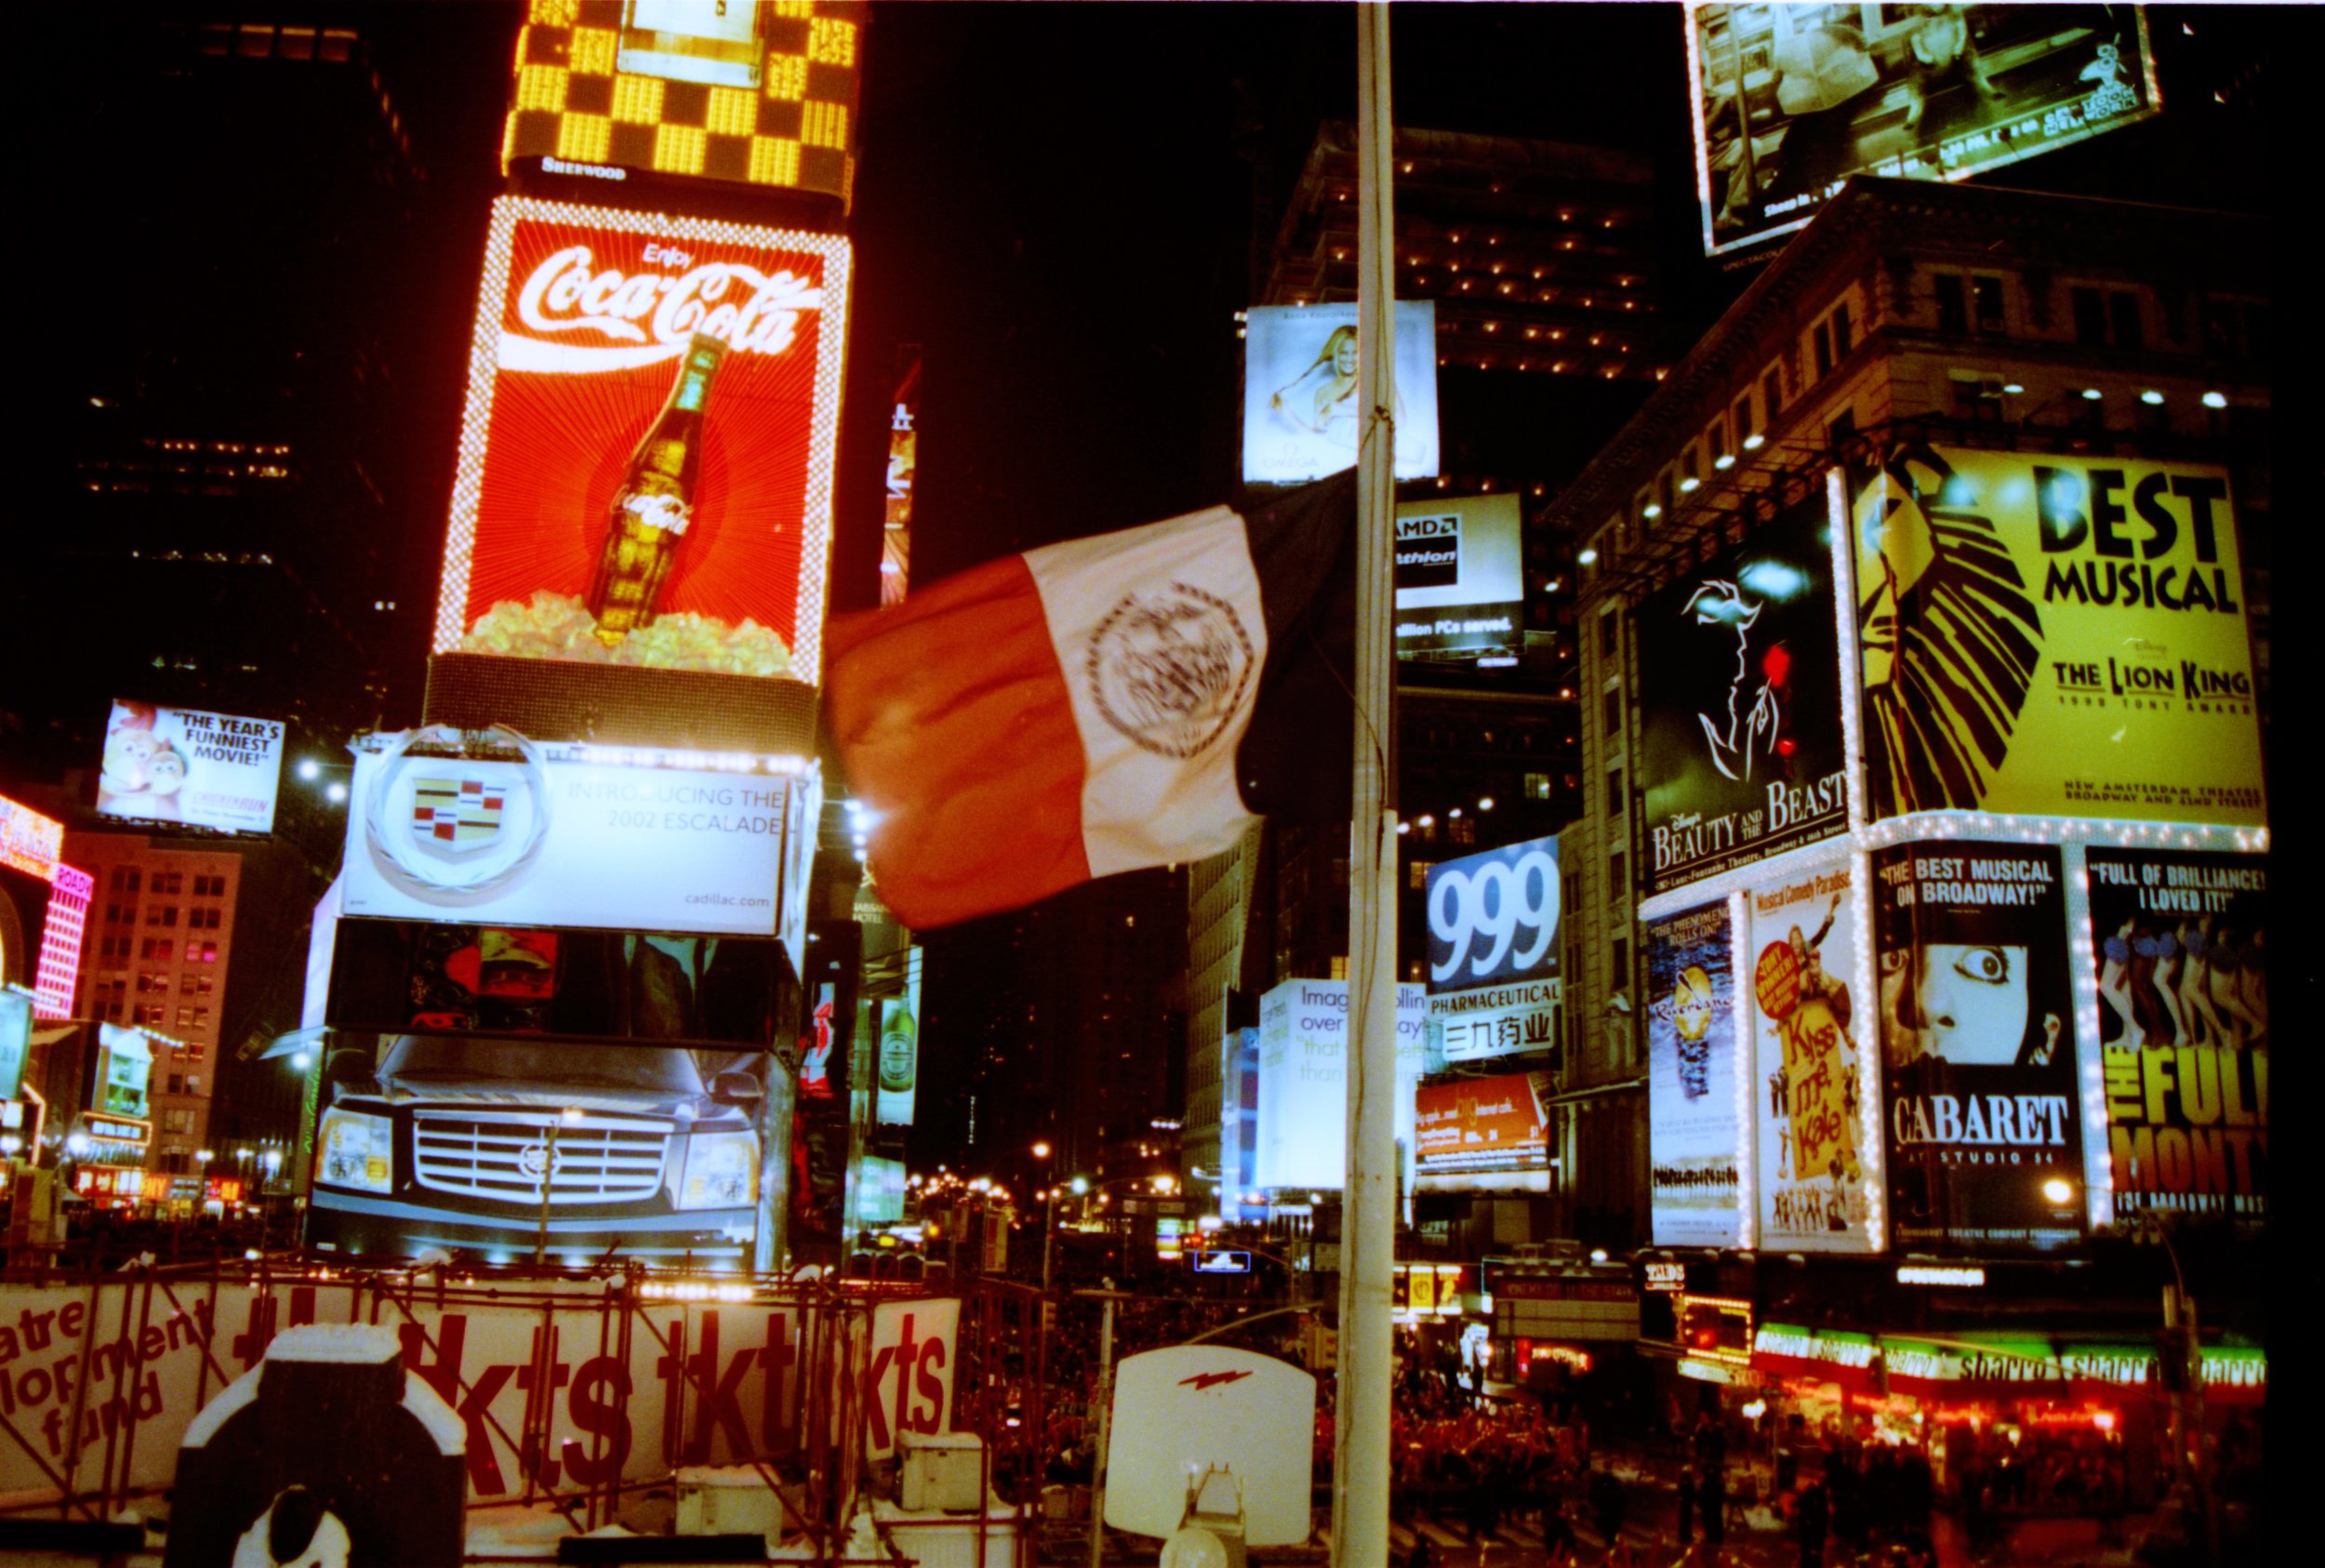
x=646, y=456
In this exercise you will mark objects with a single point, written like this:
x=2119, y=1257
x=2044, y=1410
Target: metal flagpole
x=1360, y=1493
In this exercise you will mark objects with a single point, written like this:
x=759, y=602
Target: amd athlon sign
x=1460, y=578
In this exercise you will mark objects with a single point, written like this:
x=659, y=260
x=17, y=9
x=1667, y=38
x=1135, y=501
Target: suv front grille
x=505, y=1153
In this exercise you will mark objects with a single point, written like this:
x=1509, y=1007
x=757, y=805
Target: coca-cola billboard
x=646, y=456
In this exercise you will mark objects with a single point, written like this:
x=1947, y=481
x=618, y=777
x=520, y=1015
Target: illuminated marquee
x=584, y=317
x=756, y=95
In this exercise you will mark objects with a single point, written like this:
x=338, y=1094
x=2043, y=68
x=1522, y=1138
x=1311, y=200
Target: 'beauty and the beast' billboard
x=2052, y=636
x=1740, y=751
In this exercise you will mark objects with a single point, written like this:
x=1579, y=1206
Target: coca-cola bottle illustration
x=654, y=503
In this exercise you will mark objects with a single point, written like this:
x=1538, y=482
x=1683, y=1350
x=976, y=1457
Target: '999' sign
x=1494, y=917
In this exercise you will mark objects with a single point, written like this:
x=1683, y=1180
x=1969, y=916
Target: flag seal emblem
x=1169, y=668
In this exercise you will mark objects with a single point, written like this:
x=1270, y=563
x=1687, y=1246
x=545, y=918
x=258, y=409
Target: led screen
x=1301, y=391
x=645, y=459
x=2052, y=635
x=392, y=975
x=1925, y=92
x=180, y=765
x=760, y=94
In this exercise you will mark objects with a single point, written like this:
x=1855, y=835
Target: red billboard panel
x=1501, y=1122
x=646, y=456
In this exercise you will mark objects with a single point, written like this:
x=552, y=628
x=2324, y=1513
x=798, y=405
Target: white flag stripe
x=1161, y=633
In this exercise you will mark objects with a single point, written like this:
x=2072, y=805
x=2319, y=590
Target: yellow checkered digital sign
x=754, y=94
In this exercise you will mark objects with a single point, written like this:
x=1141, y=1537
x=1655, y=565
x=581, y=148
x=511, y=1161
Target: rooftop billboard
x=646, y=462
x=1929, y=92
x=180, y=765
x=1300, y=391
x=757, y=95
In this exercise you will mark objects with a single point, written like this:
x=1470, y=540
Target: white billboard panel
x=548, y=835
x=1460, y=575
x=1301, y=391
x=181, y=764
x=1303, y=1081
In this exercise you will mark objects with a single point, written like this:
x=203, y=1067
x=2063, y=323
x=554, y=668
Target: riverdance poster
x=1981, y=1104
x=2182, y=970
x=2052, y=635
x=1740, y=751
x=1694, y=1135
x=1811, y=1081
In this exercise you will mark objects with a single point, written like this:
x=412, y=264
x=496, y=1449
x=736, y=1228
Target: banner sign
x=2054, y=636
x=1468, y=1025
x=1460, y=575
x=547, y=838
x=899, y=1058
x=645, y=459
x=1494, y=917
x=1495, y=1123
x=1694, y=1132
x=1239, y=1122
x=2183, y=1005
x=1790, y=100
x=1303, y=1081
x=720, y=1379
x=1302, y=393
x=1982, y=1107
x=1811, y=1081
x=1740, y=738
x=180, y=765
x=895, y=523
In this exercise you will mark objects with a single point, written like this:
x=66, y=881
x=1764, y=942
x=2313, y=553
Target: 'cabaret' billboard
x=646, y=457
x=1302, y=1114
x=545, y=835
x=2182, y=976
x=180, y=765
x=1460, y=577
x=1791, y=100
x=757, y=95
x=1981, y=1107
x=1812, y=1083
x=1695, y=1131
x=2052, y=635
x=1740, y=748
x=1302, y=401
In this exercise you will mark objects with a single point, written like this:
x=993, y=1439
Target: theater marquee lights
x=584, y=317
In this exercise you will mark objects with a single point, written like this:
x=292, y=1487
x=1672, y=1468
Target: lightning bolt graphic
x=1202, y=1380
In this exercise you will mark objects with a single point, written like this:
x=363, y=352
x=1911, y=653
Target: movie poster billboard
x=1740, y=754
x=542, y=835
x=645, y=460
x=1980, y=1106
x=1791, y=100
x=1811, y=1081
x=180, y=765
x=1460, y=575
x=2181, y=946
x=1302, y=401
x=1303, y=1124
x=2052, y=635
x=1694, y=1135
x=1499, y=1123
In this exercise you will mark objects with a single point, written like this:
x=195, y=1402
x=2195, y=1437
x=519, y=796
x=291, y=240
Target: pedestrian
x=1607, y=1505
x=1558, y=1533
x=1424, y=1555
x=1813, y=1516
x=1715, y=1505
x=1687, y=1505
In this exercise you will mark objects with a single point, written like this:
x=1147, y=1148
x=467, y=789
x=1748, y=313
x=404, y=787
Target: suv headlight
x=356, y=1149
x=721, y=1170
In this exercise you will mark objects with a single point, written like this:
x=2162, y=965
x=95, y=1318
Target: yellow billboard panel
x=2052, y=635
